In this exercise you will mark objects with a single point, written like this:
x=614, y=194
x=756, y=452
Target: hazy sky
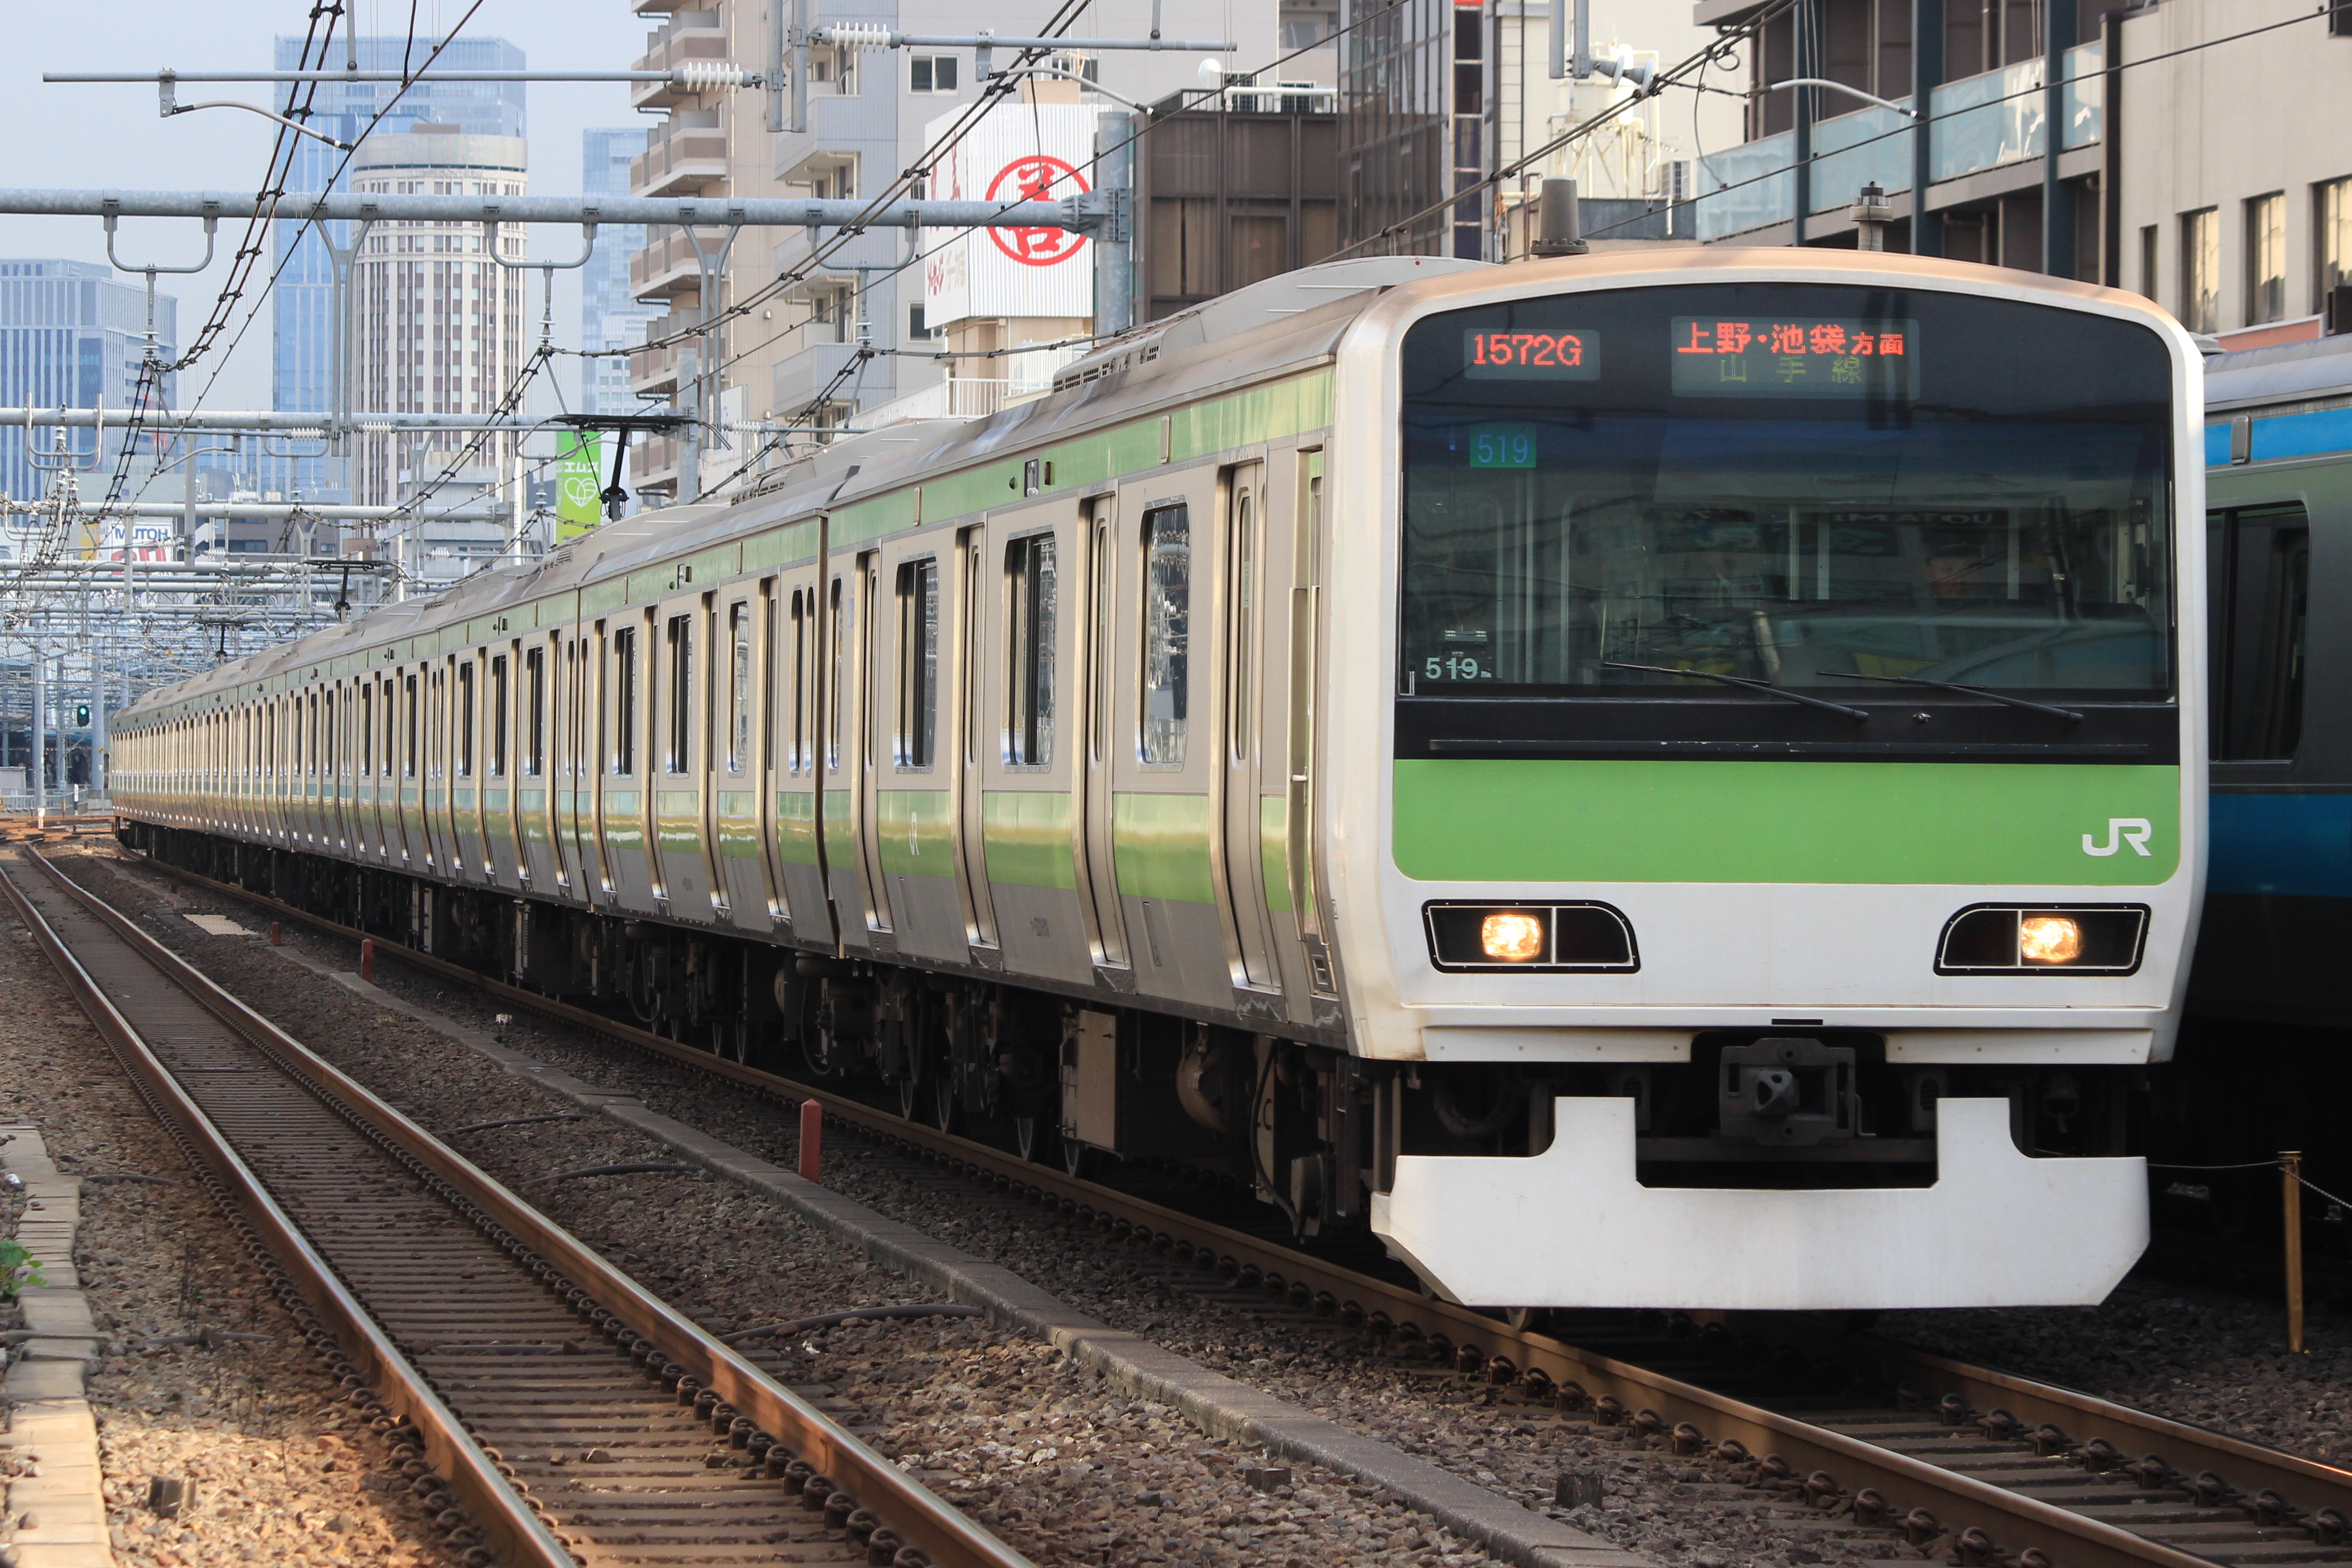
x=110, y=136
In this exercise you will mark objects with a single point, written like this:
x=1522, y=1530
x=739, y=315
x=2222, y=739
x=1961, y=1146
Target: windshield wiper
x=1765, y=687
x=2066, y=713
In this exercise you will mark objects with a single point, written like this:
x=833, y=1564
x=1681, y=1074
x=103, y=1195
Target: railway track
x=547, y=1410
x=1996, y=1470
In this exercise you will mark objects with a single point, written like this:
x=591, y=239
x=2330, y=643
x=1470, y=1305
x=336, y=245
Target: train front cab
x=1829, y=983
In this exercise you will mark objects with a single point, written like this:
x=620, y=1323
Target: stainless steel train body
x=1669, y=780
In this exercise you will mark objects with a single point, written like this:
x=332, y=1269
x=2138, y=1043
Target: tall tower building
x=438, y=329
x=303, y=368
x=71, y=336
x=609, y=316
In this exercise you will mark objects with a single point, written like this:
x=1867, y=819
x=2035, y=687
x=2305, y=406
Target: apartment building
x=794, y=357
x=2186, y=149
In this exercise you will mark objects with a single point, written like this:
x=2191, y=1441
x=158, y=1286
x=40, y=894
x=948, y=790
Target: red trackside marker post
x=811, y=1137
x=367, y=959
x=277, y=937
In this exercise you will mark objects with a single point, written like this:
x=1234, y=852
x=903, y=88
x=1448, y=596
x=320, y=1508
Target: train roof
x=2314, y=368
x=1285, y=322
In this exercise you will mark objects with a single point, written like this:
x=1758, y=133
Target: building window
x=2331, y=240
x=2147, y=261
x=2267, y=258
x=1167, y=632
x=932, y=73
x=919, y=330
x=1030, y=580
x=2200, y=270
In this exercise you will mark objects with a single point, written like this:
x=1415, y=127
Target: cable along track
x=555, y=1411
x=1999, y=1471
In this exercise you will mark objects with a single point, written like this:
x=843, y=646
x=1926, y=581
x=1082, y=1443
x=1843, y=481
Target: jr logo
x=2121, y=830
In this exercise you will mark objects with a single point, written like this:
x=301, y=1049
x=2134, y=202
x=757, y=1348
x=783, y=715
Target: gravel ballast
x=282, y=1472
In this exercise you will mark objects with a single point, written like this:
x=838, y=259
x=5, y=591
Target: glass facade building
x=609, y=317
x=1397, y=131
x=303, y=365
x=71, y=334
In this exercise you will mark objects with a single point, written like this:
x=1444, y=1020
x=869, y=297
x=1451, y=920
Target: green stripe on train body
x=1161, y=845
x=1943, y=822
x=1274, y=850
x=737, y=814
x=796, y=827
x=916, y=832
x=840, y=832
x=1027, y=834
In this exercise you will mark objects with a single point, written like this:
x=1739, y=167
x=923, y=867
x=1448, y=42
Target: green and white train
x=1670, y=779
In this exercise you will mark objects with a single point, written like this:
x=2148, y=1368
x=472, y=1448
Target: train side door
x=1242, y=803
x=914, y=639
x=798, y=846
x=502, y=854
x=970, y=739
x=681, y=713
x=1102, y=666
x=860, y=910
x=624, y=807
x=1164, y=817
x=413, y=850
x=539, y=862
x=748, y=758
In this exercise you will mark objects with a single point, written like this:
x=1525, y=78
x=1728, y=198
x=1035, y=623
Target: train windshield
x=1804, y=484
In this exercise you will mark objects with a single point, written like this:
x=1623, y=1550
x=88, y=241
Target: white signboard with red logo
x=1019, y=152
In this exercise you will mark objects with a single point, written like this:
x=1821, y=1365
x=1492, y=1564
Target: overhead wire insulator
x=860, y=35
x=704, y=76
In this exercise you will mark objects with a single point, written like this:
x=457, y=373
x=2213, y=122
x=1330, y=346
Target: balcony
x=669, y=268
x=812, y=374
x=686, y=157
x=653, y=465
x=688, y=36
x=653, y=7
x=1978, y=123
x=653, y=372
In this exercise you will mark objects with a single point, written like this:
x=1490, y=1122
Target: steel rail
x=948, y=1538
x=1829, y=1467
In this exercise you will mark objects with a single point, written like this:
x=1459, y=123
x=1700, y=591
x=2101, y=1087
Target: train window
x=796, y=752
x=436, y=725
x=1167, y=632
x=1098, y=637
x=738, y=686
x=1244, y=600
x=466, y=719
x=836, y=651
x=408, y=757
x=534, y=702
x=919, y=662
x=625, y=701
x=383, y=717
x=1029, y=700
x=679, y=636
x=2260, y=582
x=498, y=717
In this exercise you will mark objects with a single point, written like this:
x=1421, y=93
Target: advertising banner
x=579, y=484
x=1035, y=152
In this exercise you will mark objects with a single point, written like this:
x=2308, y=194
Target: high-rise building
x=303, y=368
x=610, y=316
x=72, y=335
x=438, y=329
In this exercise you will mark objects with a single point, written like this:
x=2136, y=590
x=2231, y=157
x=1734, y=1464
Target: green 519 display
x=1666, y=780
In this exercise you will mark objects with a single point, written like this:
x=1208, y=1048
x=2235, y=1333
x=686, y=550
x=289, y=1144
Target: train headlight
x=2049, y=939
x=1582, y=937
x=1508, y=936
x=2078, y=938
